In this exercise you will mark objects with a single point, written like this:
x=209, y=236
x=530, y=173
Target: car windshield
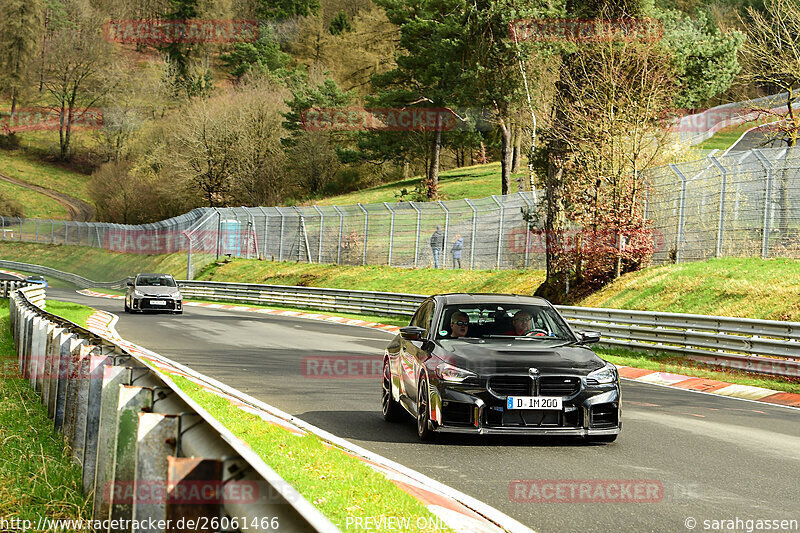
x=514, y=322
x=155, y=281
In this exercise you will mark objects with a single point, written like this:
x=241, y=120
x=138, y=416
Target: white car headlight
x=138, y=293
x=448, y=372
x=607, y=374
x=177, y=296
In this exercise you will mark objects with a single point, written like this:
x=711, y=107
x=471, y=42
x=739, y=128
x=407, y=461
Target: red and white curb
x=12, y=273
x=653, y=377
x=455, y=509
x=710, y=386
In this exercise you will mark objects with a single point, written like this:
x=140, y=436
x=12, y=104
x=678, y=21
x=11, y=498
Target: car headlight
x=448, y=372
x=607, y=374
x=138, y=293
x=177, y=296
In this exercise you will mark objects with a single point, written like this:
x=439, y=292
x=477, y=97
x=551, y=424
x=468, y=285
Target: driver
x=520, y=324
x=459, y=324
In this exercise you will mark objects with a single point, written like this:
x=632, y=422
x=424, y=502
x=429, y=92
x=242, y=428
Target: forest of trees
x=189, y=124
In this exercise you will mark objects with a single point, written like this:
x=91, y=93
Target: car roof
x=153, y=274
x=461, y=298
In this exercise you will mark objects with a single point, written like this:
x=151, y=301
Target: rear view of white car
x=153, y=292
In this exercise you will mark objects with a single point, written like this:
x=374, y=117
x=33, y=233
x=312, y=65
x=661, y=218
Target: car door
x=411, y=352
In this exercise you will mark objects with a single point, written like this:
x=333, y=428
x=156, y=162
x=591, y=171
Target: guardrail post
x=722, y=197
x=188, y=471
x=681, y=214
x=474, y=233
x=500, y=230
x=321, y=228
x=72, y=409
x=132, y=400
x=113, y=377
x=767, y=204
x=416, y=239
x=391, y=232
x=366, y=231
x=69, y=344
x=155, y=441
x=50, y=365
x=446, y=229
x=98, y=362
x=82, y=404
x=341, y=228
x=283, y=222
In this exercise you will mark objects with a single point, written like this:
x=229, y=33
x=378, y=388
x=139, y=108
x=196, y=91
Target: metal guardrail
x=75, y=279
x=137, y=435
x=764, y=346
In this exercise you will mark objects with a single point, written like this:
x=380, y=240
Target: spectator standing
x=458, y=246
x=437, y=246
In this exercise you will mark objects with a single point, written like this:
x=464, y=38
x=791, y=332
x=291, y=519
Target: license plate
x=158, y=302
x=534, y=402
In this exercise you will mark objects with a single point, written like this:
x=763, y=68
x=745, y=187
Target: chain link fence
x=493, y=232
x=741, y=204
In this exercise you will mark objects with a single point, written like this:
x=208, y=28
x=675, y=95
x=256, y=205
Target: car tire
x=127, y=309
x=424, y=430
x=392, y=410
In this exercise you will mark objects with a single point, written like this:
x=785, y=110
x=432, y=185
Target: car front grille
x=511, y=385
x=147, y=303
x=559, y=385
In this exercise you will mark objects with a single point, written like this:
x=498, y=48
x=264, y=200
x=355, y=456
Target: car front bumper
x=592, y=411
x=146, y=304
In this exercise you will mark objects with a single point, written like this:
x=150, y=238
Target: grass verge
x=338, y=484
x=96, y=264
x=75, y=313
x=38, y=477
x=374, y=278
x=34, y=204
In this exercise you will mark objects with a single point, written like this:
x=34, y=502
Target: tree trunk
x=505, y=157
x=433, y=174
x=784, y=193
x=516, y=161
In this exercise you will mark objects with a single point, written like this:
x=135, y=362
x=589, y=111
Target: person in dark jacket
x=437, y=246
x=458, y=246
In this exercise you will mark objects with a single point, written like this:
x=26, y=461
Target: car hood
x=503, y=357
x=158, y=290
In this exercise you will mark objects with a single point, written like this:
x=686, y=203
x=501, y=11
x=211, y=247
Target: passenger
x=459, y=324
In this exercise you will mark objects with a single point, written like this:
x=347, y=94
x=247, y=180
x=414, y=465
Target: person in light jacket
x=458, y=246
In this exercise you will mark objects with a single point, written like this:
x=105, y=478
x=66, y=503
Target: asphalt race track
x=716, y=458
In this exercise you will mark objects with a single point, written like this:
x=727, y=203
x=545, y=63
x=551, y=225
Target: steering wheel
x=536, y=333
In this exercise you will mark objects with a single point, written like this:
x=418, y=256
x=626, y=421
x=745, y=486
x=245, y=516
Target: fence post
x=474, y=236
x=527, y=228
x=391, y=231
x=722, y=195
x=500, y=229
x=321, y=228
x=189, y=273
x=3, y=219
x=767, y=204
x=681, y=213
x=37, y=229
x=19, y=219
x=366, y=230
x=283, y=222
x=446, y=230
x=341, y=228
x=416, y=239
x=52, y=231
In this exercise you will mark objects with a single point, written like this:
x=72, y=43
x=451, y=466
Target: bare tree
x=77, y=60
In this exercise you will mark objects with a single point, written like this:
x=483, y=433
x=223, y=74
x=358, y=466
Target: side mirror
x=589, y=337
x=413, y=333
x=129, y=284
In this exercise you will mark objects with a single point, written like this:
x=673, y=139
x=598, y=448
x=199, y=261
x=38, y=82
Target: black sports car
x=495, y=363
